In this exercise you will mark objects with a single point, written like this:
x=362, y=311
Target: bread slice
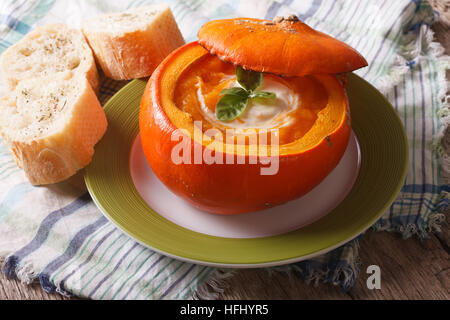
x=51, y=125
x=132, y=43
x=47, y=50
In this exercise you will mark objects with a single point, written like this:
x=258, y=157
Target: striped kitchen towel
x=57, y=235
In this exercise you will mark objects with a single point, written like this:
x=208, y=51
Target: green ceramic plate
x=384, y=159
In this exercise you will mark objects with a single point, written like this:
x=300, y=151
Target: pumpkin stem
x=291, y=18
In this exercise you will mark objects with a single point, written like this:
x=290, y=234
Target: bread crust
x=133, y=54
x=59, y=155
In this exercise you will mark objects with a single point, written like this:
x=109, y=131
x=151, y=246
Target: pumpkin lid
x=284, y=46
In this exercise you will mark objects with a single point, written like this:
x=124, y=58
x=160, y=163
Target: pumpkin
x=310, y=146
x=284, y=46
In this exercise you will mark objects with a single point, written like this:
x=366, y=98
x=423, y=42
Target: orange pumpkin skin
x=289, y=48
x=231, y=188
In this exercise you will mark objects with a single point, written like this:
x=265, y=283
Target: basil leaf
x=235, y=91
x=231, y=106
x=248, y=79
x=263, y=95
x=234, y=100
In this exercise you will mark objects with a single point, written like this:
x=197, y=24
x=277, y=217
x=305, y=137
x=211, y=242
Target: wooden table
x=410, y=269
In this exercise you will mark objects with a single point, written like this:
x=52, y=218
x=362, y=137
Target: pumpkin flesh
x=293, y=113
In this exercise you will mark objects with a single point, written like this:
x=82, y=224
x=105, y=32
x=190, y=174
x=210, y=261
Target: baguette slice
x=47, y=50
x=51, y=126
x=131, y=44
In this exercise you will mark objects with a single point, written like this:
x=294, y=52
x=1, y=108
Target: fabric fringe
x=442, y=139
x=422, y=231
x=342, y=273
x=413, y=49
x=25, y=273
x=411, y=52
x=214, y=286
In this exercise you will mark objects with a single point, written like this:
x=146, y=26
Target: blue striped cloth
x=57, y=235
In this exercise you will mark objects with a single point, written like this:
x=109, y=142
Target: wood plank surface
x=410, y=269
